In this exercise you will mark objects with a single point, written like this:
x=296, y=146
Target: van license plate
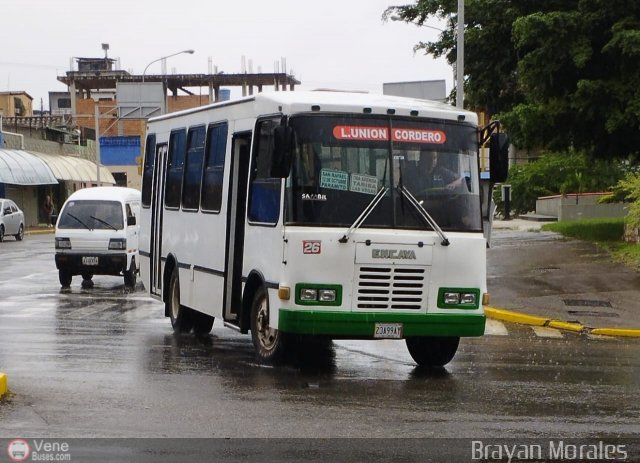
x=90, y=260
x=387, y=331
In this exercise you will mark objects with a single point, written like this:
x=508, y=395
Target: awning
x=19, y=167
x=74, y=169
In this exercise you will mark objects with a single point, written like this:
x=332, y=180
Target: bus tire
x=202, y=323
x=181, y=319
x=269, y=343
x=432, y=351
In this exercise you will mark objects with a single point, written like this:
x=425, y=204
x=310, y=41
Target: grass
x=607, y=233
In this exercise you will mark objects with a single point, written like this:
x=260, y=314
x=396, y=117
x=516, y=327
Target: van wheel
x=202, y=323
x=180, y=316
x=432, y=351
x=65, y=278
x=268, y=342
x=130, y=275
x=20, y=233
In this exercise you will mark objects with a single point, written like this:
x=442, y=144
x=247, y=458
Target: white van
x=97, y=234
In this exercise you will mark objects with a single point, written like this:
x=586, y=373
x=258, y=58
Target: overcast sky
x=329, y=43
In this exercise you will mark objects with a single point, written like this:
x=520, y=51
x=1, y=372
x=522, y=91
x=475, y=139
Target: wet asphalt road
x=104, y=362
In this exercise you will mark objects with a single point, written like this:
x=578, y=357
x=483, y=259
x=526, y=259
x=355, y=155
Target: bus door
x=236, y=207
x=157, y=203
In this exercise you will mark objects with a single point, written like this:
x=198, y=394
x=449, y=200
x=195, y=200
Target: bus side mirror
x=498, y=157
x=282, y=151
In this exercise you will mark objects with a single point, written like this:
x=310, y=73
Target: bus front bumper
x=362, y=325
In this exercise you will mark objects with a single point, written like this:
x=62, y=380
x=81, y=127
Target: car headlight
x=63, y=243
x=118, y=243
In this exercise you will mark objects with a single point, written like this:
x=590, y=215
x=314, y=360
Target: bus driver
x=436, y=175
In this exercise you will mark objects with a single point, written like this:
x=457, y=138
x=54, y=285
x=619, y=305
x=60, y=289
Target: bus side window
x=147, y=174
x=175, y=168
x=264, y=191
x=193, y=168
x=213, y=175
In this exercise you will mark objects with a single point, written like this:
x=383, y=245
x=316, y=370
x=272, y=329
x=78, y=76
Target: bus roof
x=293, y=102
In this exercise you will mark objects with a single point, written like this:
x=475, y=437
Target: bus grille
x=391, y=288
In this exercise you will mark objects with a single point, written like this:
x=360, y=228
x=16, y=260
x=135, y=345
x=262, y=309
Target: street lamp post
x=165, y=57
x=460, y=57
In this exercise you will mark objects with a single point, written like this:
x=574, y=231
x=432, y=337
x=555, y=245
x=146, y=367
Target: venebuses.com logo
x=18, y=450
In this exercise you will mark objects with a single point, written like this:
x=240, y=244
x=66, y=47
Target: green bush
x=629, y=189
x=557, y=173
x=596, y=230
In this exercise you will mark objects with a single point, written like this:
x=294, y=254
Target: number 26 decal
x=311, y=247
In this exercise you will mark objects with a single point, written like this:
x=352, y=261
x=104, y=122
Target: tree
x=559, y=73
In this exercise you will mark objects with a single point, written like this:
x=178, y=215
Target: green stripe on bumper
x=361, y=324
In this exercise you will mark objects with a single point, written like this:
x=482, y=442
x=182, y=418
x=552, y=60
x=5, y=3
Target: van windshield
x=92, y=214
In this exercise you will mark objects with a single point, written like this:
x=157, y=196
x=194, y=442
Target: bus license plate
x=387, y=331
x=90, y=260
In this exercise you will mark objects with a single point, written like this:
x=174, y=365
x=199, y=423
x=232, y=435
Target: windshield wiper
x=365, y=213
x=74, y=217
x=425, y=215
x=103, y=221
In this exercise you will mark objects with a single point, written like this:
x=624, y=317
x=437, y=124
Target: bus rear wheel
x=268, y=342
x=180, y=316
x=202, y=323
x=432, y=351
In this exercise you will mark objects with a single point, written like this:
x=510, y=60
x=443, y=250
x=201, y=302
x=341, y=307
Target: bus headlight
x=468, y=299
x=318, y=294
x=452, y=298
x=308, y=294
x=327, y=295
x=458, y=298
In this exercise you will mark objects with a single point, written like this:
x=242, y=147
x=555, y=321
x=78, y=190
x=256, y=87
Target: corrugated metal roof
x=75, y=169
x=19, y=167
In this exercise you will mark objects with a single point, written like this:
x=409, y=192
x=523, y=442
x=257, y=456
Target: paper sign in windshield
x=370, y=133
x=334, y=179
x=364, y=184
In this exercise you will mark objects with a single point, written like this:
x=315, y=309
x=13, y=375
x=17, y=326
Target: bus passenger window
x=175, y=168
x=264, y=190
x=213, y=175
x=193, y=168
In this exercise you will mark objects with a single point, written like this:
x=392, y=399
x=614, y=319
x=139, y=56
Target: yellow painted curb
x=560, y=325
x=515, y=317
x=615, y=332
x=3, y=385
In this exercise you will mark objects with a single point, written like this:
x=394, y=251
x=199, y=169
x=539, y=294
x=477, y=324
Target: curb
x=3, y=385
x=45, y=231
x=525, y=319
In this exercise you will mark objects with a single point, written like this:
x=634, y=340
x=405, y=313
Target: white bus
x=318, y=215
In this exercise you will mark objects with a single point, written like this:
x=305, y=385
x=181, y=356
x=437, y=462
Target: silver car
x=11, y=220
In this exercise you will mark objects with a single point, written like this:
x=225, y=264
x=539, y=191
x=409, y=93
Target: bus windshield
x=341, y=162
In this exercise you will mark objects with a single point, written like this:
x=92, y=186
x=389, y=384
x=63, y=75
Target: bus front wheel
x=180, y=316
x=268, y=342
x=432, y=351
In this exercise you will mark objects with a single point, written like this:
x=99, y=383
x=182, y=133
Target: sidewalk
x=541, y=278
